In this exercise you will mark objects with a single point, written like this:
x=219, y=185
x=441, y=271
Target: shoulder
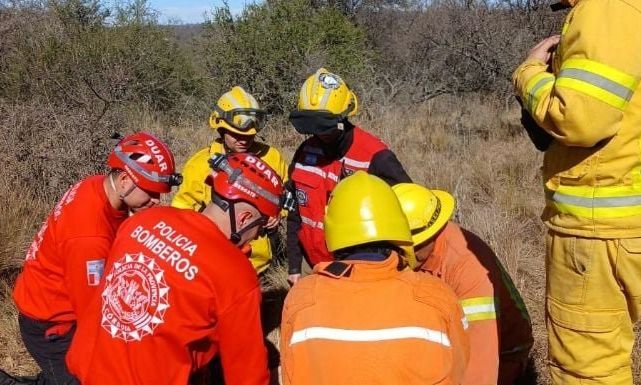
x=196, y=167
x=270, y=154
x=431, y=291
x=464, y=245
x=364, y=137
x=301, y=295
x=198, y=159
x=81, y=210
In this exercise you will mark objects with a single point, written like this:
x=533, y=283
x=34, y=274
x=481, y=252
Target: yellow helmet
x=427, y=211
x=237, y=111
x=363, y=209
x=327, y=92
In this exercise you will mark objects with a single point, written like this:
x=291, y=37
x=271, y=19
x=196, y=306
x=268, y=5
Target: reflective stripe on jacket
x=372, y=324
x=590, y=104
x=499, y=324
x=194, y=194
x=315, y=176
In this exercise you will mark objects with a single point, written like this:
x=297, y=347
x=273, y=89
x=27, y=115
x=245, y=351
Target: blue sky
x=192, y=11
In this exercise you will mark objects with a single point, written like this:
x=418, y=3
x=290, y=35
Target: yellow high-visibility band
x=597, y=80
x=478, y=308
x=535, y=87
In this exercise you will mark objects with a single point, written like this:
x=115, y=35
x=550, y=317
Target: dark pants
x=48, y=351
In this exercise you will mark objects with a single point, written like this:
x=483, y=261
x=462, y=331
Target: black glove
x=538, y=136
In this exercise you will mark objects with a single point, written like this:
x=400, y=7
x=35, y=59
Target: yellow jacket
x=195, y=194
x=590, y=104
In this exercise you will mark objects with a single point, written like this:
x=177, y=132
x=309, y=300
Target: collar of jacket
x=434, y=263
x=338, y=149
x=259, y=149
x=366, y=270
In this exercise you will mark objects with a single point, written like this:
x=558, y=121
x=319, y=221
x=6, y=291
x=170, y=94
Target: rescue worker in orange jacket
x=336, y=149
x=363, y=318
x=500, y=330
x=237, y=118
x=583, y=90
x=178, y=290
x=65, y=261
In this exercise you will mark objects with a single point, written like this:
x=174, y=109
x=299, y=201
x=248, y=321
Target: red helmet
x=245, y=177
x=148, y=162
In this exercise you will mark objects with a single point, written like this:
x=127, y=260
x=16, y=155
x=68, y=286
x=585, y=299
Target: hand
x=272, y=222
x=293, y=278
x=543, y=50
x=246, y=249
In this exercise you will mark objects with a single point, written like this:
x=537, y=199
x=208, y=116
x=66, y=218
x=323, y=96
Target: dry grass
x=464, y=145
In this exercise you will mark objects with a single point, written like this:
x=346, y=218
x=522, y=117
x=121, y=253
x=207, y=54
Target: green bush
x=272, y=47
x=79, y=54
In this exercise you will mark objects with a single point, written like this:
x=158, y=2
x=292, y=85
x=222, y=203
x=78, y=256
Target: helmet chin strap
x=121, y=195
x=235, y=235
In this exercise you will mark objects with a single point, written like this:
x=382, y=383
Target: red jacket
x=315, y=176
x=365, y=322
x=499, y=324
x=176, y=292
x=64, y=263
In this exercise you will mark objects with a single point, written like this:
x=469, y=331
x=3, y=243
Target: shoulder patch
x=95, y=270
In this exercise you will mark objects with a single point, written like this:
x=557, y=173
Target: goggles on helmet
x=243, y=119
x=174, y=179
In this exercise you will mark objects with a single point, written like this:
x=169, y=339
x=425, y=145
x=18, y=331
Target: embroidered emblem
x=135, y=298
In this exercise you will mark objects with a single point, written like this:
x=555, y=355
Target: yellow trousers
x=593, y=300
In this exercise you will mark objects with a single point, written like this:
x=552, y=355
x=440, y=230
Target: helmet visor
x=243, y=119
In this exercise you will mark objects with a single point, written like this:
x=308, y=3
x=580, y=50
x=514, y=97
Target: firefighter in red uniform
x=336, y=149
x=500, y=330
x=65, y=261
x=178, y=290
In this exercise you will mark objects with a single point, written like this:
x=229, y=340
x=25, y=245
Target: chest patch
x=311, y=159
x=301, y=197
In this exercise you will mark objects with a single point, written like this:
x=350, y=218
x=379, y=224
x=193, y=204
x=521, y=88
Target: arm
x=460, y=347
x=84, y=260
x=472, y=285
x=386, y=166
x=242, y=350
x=598, y=69
x=286, y=331
x=294, y=251
x=293, y=248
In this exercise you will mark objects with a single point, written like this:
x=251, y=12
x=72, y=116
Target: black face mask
x=314, y=122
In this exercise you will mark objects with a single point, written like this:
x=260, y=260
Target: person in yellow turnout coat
x=237, y=118
x=586, y=97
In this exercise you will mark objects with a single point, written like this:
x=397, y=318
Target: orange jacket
x=64, y=263
x=365, y=322
x=176, y=292
x=499, y=325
